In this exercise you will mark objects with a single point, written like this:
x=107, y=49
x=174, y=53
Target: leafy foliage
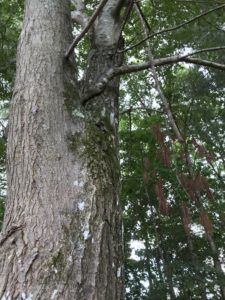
x=173, y=191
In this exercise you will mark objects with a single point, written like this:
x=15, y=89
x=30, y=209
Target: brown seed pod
x=185, y=218
x=206, y=222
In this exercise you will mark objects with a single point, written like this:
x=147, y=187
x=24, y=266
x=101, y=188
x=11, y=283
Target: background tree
x=61, y=236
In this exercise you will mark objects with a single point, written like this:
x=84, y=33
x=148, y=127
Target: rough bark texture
x=61, y=236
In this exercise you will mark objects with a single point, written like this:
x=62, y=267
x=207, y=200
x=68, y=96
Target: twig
x=203, y=50
x=203, y=62
x=173, y=28
x=86, y=29
x=133, y=109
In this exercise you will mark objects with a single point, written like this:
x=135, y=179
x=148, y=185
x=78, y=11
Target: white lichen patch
x=118, y=272
x=117, y=200
x=86, y=234
x=103, y=111
x=23, y=295
x=70, y=259
x=54, y=294
x=77, y=183
x=112, y=118
x=26, y=297
x=55, y=270
x=6, y=296
x=77, y=113
x=81, y=206
x=45, y=127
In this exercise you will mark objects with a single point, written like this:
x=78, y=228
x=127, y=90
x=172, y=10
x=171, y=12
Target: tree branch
x=164, y=101
x=146, y=109
x=202, y=62
x=174, y=28
x=86, y=29
x=203, y=50
x=100, y=86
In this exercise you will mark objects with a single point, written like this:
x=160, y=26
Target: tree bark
x=61, y=236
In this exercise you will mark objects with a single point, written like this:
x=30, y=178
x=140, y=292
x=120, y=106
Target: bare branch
x=165, y=103
x=174, y=28
x=166, y=61
x=100, y=86
x=205, y=63
x=145, y=109
x=212, y=49
x=86, y=29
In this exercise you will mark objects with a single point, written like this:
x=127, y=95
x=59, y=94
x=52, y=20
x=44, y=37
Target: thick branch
x=86, y=29
x=100, y=86
x=174, y=28
x=167, y=61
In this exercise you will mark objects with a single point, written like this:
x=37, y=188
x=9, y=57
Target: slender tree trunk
x=61, y=235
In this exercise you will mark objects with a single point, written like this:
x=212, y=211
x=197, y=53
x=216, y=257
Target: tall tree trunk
x=61, y=236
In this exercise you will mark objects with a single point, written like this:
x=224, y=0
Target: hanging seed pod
x=163, y=205
x=206, y=222
x=198, y=183
x=159, y=189
x=156, y=130
x=202, y=151
x=145, y=177
x=201, y=184
x=147, y=164
x=185, y=218
x=189, y=185
x=166, y=155
x=184, y=180
x=192, y=195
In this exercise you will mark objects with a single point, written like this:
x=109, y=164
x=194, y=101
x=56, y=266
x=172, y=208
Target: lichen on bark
x=63, y=170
